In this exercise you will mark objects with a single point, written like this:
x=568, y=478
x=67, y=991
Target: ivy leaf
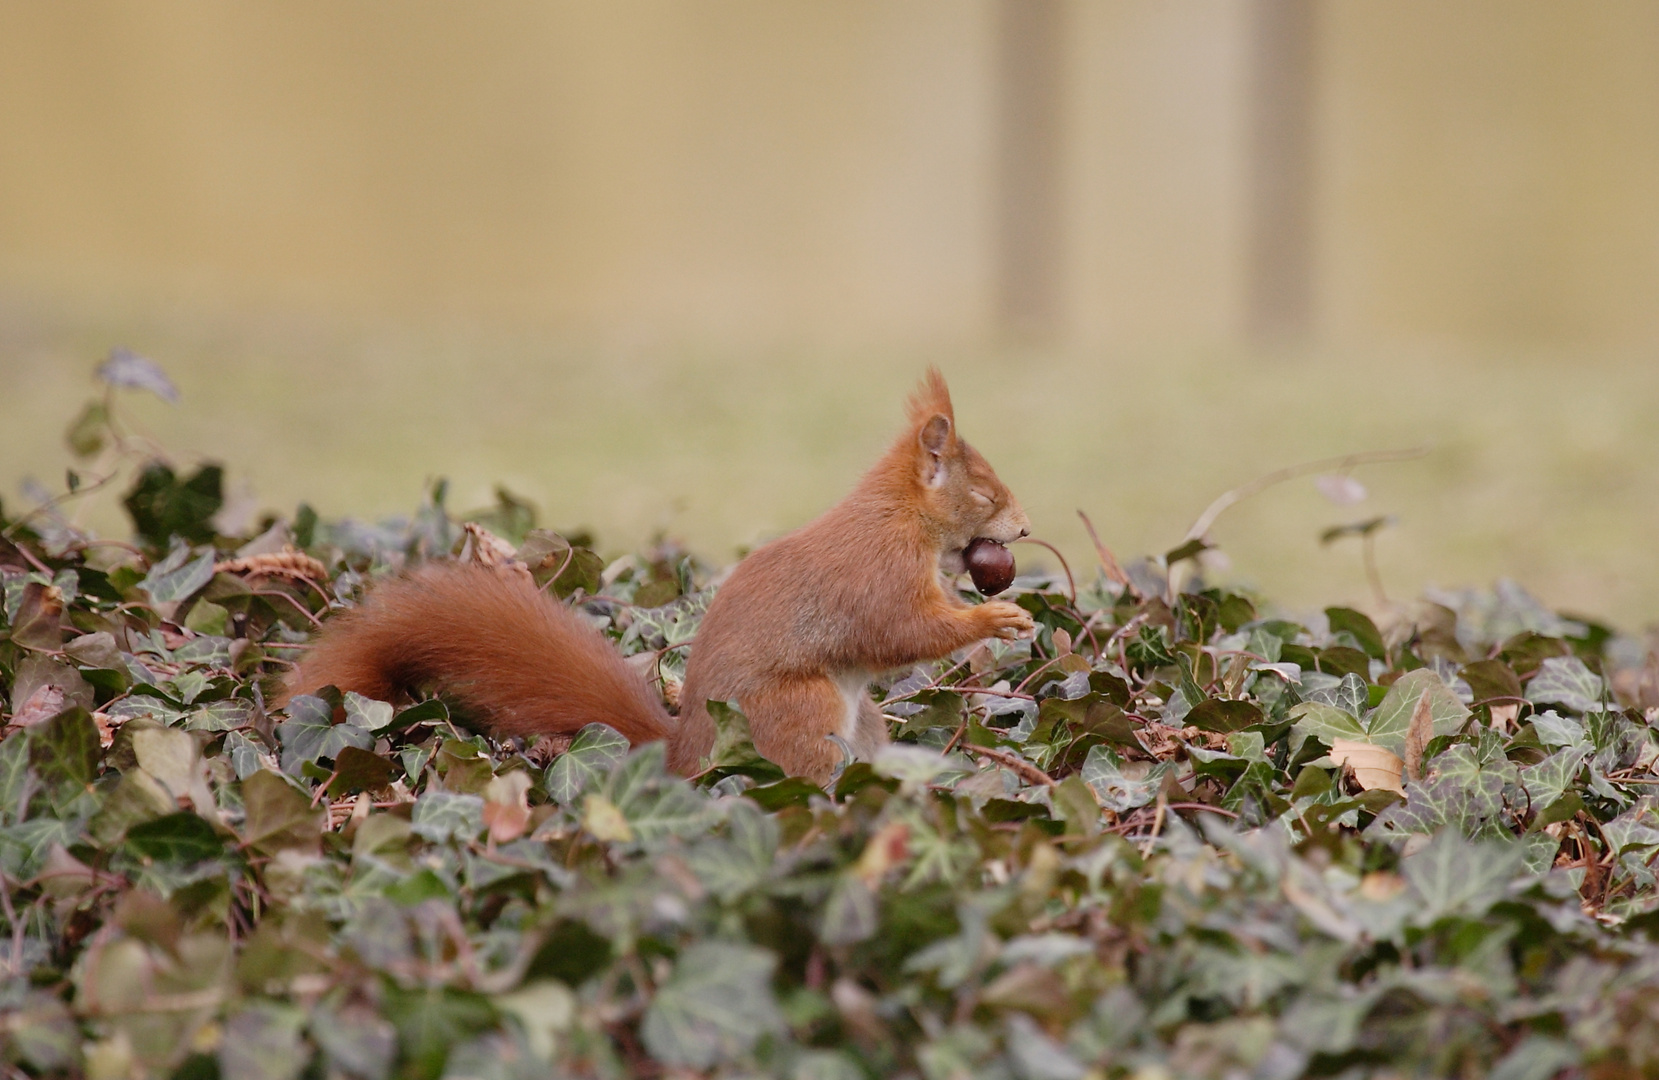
x=178, y=576
x=1566, y=681
x=1454, y=876
x=1349, y=694
x=14, y=774
x=714, y=1008
x=1360, y=626
x=1553, y=729
x=64, y=751
x=851, y=913
x=443, y=815
x=591, y=756
x=310, y=733
x=1634, y=832
x=24, y=847
x=278, y=815
x=730, y=867
x=37, y=622
x=356, y=1040
x=1392, y=720
x=356, y=769
x=1325, y=723
x=139, y=797
x=431, y=1021
x=1548, y=780
x=1103, y=772
x=262, y=1042
x=655, y=805
x=366, y=713
x=1219, y=714
x=1491, y=680
x=734, y=750
x=182, y=838
x=162, y=506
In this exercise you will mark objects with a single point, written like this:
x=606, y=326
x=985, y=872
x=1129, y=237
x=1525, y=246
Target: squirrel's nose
x=1024, y=533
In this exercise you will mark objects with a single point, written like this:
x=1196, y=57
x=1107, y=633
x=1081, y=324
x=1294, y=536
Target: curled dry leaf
x=284, y=563
x=1419, y=734
x=45, y=703
x=484, y=547
x=889, y=847
x=506, y=806
x=1374, y=767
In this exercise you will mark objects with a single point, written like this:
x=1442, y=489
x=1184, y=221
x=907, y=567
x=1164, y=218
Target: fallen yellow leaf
x=1374, y=767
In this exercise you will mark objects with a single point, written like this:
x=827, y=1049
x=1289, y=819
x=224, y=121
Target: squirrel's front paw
x=1008, y=621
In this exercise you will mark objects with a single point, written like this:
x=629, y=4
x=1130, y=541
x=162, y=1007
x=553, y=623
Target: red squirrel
x=794, y=635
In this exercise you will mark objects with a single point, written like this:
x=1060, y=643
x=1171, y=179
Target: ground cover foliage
x=1179, y=834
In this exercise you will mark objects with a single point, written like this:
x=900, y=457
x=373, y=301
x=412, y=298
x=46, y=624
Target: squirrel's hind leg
x=792, y=723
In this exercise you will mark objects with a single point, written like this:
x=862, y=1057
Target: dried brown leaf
x=1374, y=766
x=1419, y=734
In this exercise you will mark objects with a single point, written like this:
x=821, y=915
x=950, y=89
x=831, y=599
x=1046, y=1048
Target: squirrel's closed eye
x=980, y=496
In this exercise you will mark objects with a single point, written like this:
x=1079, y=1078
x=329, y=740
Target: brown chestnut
x=990, y=565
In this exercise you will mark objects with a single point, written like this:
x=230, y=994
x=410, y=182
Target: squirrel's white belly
x=854, y=687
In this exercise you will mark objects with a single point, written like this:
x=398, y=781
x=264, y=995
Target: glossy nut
x=990, y=565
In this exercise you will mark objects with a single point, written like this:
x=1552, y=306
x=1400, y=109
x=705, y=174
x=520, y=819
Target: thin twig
x=1157, y=826
x=1108, y=561
x=1368, y=552
x=56, y=501
x=1070, y=581
x=1291, y=472
x=301, y=608
x=1024, y=768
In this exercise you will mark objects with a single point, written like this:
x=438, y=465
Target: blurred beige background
x=671, y=266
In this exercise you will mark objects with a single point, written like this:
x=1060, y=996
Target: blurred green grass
x=1543, y=466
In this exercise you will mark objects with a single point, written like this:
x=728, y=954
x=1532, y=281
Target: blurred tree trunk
x=1031, y=49
x=1280, y=255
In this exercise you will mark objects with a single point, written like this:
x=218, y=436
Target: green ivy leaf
x=731, y=866
x=64, y=751
x=1103, y=772
x=1325, y=722
x=262, y=1042
x=1566, y=681
x=366, y=713
x=714, y=1008
x=310, y=733
x=591, y=757
x=182, y=838
x=162, y=506
x=1220, y=715
x=656, y=805
x=178, y=576
x=1454, y=876
x=358, y=770
x=1389, y=724
x=734, y=750
x=279, y=816
x=1358, y=624
x=443, y=815
x=1549, y=779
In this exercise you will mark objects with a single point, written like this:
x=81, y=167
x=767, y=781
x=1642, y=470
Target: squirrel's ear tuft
x=931, y=399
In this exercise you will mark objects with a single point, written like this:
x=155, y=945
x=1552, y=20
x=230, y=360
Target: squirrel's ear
x=934, y=439
x=935, y=424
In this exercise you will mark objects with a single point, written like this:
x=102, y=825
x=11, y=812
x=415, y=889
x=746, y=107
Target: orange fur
x=520, y=662
x=794, y=635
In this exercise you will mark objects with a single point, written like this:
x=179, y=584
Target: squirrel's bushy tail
x=519, y=662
